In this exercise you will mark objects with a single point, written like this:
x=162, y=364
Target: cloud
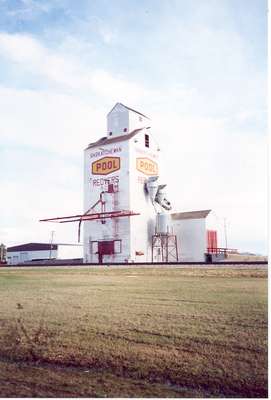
x=49, y=121
x=65, y=71
x=29, y=9
x=29, y=54
x=104, y=30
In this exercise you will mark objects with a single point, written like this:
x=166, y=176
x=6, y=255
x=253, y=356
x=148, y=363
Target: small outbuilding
x=31, y=252
x=190, y=228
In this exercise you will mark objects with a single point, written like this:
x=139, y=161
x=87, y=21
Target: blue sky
x=197, y=68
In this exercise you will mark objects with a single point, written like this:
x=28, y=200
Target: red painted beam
x=75, y=216
x=91, y=217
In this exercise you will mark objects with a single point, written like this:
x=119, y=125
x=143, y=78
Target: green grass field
x=133, y=332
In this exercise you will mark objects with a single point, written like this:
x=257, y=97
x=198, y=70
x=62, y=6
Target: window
x=93, y=247
x=117, y=246
x=147, y=141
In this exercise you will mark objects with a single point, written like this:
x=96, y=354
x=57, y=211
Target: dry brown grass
x=245, y=257
x=139, y=332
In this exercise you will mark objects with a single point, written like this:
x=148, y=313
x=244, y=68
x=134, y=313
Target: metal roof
x=190, y=214
x=128, y=108
x=121, y=138
x=33, y=247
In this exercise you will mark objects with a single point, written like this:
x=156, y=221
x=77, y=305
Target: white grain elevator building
x=116, y=168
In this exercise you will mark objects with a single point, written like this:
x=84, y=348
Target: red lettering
x=101, y=181
x=96, y=182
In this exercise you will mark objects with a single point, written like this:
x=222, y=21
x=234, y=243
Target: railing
x=221, y=250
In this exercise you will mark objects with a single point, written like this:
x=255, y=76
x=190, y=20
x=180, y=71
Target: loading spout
x=156, y=193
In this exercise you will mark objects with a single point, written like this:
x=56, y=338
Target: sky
x=197, y=68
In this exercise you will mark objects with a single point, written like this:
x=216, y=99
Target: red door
x=105, y=248
x=212, y=241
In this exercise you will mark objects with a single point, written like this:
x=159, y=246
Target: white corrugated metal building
x=190, y=228
x=119, y=163
x=30, y=252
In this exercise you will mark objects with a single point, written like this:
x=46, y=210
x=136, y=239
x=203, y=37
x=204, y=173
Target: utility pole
x=225, y=233
x=51, y=244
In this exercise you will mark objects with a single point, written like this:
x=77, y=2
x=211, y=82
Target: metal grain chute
x=157, y=193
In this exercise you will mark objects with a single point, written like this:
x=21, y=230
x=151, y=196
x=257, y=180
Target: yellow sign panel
x=105, y=165
x=147, y=166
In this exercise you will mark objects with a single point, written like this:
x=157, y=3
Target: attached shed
x=190, y=229
x=30, y=252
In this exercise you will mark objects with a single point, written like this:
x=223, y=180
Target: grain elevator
x=127, y=216
x=118, y=170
